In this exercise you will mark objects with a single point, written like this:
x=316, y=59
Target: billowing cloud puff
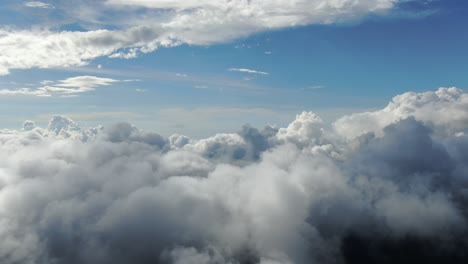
x=301, y=194
x=169, y=23
x=306, y=129
x=444, y=110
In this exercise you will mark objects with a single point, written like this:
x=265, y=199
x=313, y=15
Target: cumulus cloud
x=67, y=87
x=305, y=193
x=444, y=110
x=171, y=23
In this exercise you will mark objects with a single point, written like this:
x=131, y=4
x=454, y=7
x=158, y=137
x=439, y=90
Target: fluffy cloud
x=444, y=110
x=171, y=23
x=70, y=86
x=121, y=195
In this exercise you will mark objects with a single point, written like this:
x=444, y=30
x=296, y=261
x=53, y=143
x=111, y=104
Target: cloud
x=38, y=49
x=38, y=4
x=130, y=54
x=304, y=193
x=67, y=87
x=444, y=110
x=247, y=71
x=168, y=24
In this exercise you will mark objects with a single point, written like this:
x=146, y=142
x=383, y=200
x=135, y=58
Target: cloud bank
x=167, y=23
x=395, y=192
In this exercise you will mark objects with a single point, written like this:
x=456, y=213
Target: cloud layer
x=167, y=23
x=388, y=193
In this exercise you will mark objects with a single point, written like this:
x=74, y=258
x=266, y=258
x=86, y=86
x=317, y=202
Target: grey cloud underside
x=393, y=193
x=166, y=24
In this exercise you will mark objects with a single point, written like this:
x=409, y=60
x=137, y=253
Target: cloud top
x=306, y=193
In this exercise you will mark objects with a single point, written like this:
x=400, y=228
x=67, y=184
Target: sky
x=180, y=66
x=233, y=131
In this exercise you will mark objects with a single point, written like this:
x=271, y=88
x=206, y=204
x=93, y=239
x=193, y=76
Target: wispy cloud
x=248, y=71
x=192, y=79
x=38, y=4
x=67, y=87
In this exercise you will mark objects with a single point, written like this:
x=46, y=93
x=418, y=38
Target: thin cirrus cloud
x=190, y=22
x=68, y=87
x=38, y=4
x=243, y=70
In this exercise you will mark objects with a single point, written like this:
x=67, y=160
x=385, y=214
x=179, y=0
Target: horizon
x=261, y=75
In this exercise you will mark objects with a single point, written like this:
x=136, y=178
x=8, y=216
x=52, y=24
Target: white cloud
x=445, y=110
x=175, y=22
x=37, y=4
x=46, y=82
x=67, y=87
x=247, y=71
x=306, y=129
x=131, y=54
x=46, y=49
x=122, y=195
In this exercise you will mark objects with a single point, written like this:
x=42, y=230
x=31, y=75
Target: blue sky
x=205, y=79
